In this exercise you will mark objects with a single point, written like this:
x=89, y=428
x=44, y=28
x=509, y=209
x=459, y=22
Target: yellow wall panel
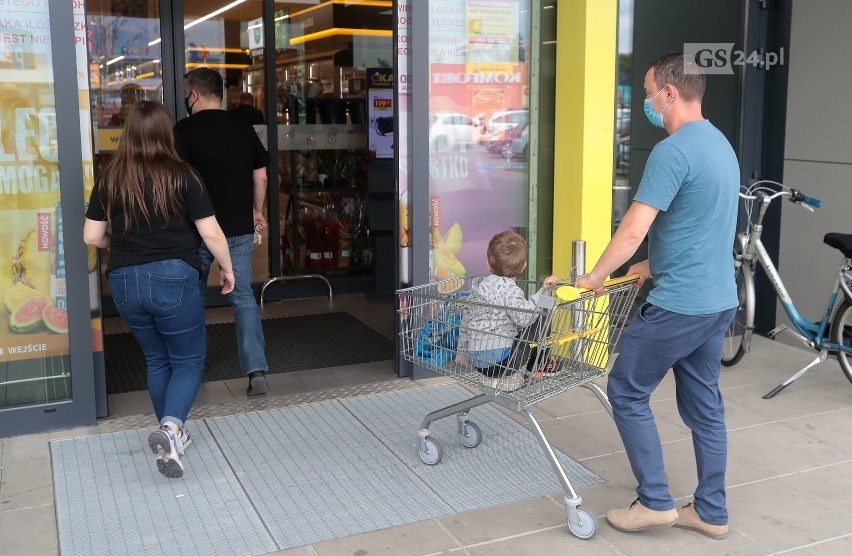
x=585, y=122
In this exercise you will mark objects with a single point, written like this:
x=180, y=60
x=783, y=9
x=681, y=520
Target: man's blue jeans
x=655, y=341
x=250, y=343
x=161, y=305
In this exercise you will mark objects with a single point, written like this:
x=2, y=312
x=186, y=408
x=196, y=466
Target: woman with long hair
x=151, y=210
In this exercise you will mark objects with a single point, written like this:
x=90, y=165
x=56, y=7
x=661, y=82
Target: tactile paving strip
x=110, y=499
x=316, y=474
x=508, y=464
x=281, y=478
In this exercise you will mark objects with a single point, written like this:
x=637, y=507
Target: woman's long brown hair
x=146, y=165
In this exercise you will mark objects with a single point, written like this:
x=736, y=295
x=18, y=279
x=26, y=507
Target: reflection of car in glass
x=505, y=119
x=512, y=143
x=448, y=129
x=384, y=125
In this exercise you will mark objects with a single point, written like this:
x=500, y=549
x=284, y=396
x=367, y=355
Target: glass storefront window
x=479, y=134
x=329, y=57
x=623, y=98
x=34, y=346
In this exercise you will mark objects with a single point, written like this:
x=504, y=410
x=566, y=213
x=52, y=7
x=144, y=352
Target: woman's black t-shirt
x=161, y=239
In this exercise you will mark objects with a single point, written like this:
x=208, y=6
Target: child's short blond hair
x=507, y=254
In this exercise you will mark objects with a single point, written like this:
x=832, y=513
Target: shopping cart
x=568, y=343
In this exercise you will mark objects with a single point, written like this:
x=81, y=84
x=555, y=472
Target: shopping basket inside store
x=568, y=342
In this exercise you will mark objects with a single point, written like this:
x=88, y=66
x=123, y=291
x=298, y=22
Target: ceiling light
x=203, y=18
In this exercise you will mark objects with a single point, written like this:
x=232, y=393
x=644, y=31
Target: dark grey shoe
x=257, y=384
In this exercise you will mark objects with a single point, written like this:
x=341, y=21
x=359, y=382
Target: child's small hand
x=463, y=362
x=551, y=281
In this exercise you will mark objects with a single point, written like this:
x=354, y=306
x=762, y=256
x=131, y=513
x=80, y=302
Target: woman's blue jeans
x=162, y=306
x=250, y=343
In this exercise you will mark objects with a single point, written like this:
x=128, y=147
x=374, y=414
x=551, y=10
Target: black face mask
x=188, y=105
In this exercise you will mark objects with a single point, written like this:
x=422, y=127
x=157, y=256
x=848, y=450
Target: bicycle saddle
x=840, y=241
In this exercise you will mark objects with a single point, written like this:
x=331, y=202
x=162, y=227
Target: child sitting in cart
x=487, y=332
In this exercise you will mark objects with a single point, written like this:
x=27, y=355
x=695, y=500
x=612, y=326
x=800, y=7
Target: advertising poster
x=33, y=322
x=490, y=35
x=402, y=83
x=478, y=102
x=380, y=111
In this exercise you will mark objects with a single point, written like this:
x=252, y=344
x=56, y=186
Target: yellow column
x=585, y=116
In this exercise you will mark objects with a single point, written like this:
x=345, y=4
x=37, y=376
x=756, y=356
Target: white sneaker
x=183, y=441
x=508, y=383
x=164, y=443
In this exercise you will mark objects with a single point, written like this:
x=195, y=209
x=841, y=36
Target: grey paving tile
x=833, y=547
x=556, y=540
x=792, y=402
x=679, y=458
x=131, y=403
x=772, y=515
x=832, y=427
x=505, y=521
x=830, y=484
x=318, y=379
x=26, y=485
x=594, y=434
x=212, y=393
x=25, y=449
x=29, y=532
x=618, y=491
x=300, y=551
x=778, y=449
x=676, y=542
x=573, y=402
x=425, y=537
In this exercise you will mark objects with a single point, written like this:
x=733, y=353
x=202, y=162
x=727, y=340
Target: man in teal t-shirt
x=687, y=206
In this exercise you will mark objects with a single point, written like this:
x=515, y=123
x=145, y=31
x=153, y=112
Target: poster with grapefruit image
x=33, y=321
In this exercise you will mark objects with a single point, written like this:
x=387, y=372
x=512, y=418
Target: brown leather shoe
x=637, y=517
x=688, y=518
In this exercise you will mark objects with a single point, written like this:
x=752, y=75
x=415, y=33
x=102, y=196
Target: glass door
x=479, y=117
x=45, y=345
x=475, y=131
x=125, y=65
x=227, y=36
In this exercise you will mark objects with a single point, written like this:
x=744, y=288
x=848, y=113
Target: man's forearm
x=627, y=239
x=620, y=249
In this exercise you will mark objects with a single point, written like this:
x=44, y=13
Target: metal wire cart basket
x=564, y=342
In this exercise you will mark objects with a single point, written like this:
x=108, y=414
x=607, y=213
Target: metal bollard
x=578, y=259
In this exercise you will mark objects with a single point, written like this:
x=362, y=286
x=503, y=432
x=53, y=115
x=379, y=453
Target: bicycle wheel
x=841, y=333
x=732, y=348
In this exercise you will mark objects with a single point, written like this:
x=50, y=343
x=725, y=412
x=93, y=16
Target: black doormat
x=292, y=344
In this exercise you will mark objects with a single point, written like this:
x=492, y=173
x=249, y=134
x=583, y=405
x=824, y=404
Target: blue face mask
x=656, y=118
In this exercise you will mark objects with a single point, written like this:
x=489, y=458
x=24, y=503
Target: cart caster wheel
x=584, y=530
x=430, y=451
x=472, y=435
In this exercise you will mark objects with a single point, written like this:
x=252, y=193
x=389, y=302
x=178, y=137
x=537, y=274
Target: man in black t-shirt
x=232, y=161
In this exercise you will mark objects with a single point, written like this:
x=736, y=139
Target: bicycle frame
x=814, y=334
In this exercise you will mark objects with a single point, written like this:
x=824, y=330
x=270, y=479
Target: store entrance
x=308, y=107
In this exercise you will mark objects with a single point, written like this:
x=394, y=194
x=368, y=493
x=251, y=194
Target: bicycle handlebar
x=795, y=195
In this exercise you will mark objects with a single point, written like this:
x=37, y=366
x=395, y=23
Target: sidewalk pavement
x=790, y=461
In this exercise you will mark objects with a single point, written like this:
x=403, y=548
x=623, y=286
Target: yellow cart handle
x=570, y=293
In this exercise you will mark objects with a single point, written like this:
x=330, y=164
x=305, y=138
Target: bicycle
x=749, y=251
